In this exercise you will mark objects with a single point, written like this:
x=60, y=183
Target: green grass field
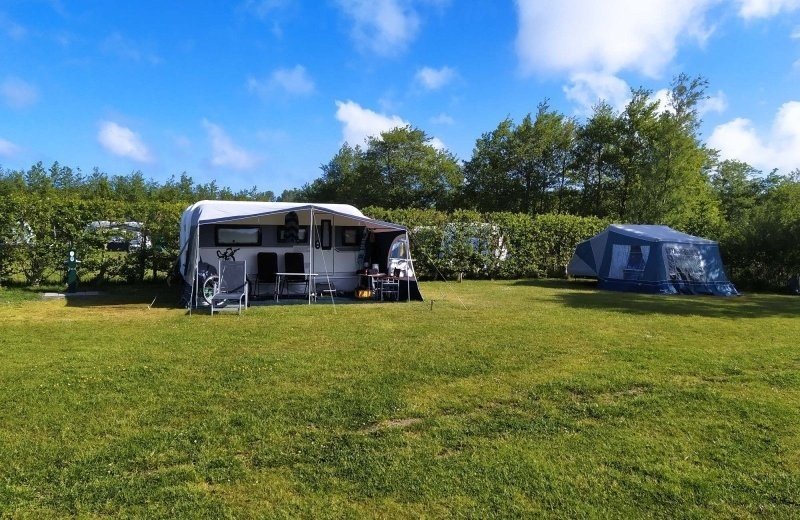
x=502, y=399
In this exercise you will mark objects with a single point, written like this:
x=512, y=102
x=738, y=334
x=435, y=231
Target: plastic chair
x=232, y=285
x=267, y=264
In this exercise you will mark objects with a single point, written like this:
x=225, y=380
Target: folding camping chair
x=232, y=285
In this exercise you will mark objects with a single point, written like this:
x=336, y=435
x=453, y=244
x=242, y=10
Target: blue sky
x=264, y=92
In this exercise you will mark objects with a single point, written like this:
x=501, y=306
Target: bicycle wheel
x=210, y=288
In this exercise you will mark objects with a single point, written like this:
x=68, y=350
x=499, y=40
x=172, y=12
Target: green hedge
x=492, y=245
x=36, y=234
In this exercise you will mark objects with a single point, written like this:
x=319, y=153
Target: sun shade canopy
x=218, y=211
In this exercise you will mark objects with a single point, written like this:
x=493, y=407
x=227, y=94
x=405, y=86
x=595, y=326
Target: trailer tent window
x=637, y=260
x=237, y=236
x=399, y=258
x=684, y=262
x=628, y=262
x=619, y=259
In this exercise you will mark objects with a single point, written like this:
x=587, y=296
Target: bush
x=494, y=245
x=36, y=234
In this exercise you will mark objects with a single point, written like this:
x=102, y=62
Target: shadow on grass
x=554, y=283
x=579, y=294
x=159, y=295
x=162, y=296
x=584, y=295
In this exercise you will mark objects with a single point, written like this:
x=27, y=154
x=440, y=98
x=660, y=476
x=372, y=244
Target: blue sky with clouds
x=262, y=92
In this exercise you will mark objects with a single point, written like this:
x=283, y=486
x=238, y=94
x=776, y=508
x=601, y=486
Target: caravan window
x=302, y=235
x=351, y=235
x=325, y=234
x=237, y=236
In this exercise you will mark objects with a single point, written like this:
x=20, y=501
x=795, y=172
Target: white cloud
x=438, y=144
x=443, y=119
x=717, y=103
x=795, y=33
x=17, y=93
x=384, y=27
x=265, y=8
x=779, y=148
x=11, y=28
x=586, y=89
x=434, y=79
x=662, y=96
x=182, y=143
x=224, y=152
x=8, y=149
x=122, y=47
x=578, y=36
x=765, y=8
x=294, y=81
x=122, y=141
x=360, y=123
x=274, y=13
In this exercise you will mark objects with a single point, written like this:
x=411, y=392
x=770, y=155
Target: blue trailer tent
x=332, y=240
x=651, y=259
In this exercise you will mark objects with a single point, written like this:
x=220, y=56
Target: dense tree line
x=645, y=163
x=64, y=182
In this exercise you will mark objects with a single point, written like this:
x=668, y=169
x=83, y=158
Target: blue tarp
x=652, y=259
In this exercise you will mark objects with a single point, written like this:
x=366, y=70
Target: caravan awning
x=216, y=211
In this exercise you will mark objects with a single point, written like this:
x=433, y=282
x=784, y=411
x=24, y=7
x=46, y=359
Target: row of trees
x=645, y=163
x=63, y=181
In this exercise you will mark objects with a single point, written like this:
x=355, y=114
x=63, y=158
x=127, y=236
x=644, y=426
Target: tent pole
x=408, y=265
x=196, y=264
x=310, y=252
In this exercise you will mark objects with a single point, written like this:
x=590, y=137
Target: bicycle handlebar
x=227, y=254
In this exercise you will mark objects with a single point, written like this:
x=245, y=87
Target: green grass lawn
x=506, y=399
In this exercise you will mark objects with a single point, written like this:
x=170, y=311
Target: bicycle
x=210, y=285
x=227, y=255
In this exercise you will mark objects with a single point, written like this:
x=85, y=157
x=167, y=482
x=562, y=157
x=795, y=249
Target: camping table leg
x=277, y=295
